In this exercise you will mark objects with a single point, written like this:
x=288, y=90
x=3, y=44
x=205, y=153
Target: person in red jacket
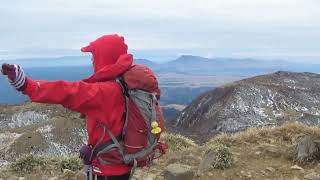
x=98, y=100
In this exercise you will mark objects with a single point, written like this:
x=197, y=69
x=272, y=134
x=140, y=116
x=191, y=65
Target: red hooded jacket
x=98, y=99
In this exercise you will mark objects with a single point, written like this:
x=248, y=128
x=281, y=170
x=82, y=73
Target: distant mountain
x=181, y=79
x=185, y=64
x=189, y=59
x=233, y=67
x=259, y=101
x=145, y=62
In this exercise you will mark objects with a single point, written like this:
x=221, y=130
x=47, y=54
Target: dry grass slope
x=258, y=153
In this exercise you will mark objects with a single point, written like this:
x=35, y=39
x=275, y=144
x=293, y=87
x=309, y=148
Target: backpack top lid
x=141, y=77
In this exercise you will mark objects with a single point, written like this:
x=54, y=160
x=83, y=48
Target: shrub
x=223, y=139
x=73, y=163
x=26, y=164
x=222, y=157
x=177, y=142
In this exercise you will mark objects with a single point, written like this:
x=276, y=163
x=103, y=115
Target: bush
x=222, y=157
x=73, y=163
x=223, y=139
x=177, y=142
x=26, y=164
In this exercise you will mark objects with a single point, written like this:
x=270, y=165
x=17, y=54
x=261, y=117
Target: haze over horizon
x=260, y=29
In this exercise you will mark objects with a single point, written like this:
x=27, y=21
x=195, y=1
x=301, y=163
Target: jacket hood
x=106, y=50
x=112, y=71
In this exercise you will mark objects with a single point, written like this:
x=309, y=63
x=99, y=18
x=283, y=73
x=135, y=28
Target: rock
x=307, y=149
x=271, y=169
x=295, y=178
x=244, y=174
x=263, y=173
x=296, y=167
x=257, y=153
x=312, y=176
x=178, y=172
x=21, y=178
x=210, y=174
x=207, y=161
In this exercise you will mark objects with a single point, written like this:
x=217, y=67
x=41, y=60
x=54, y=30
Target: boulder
x=308, y=149
x=178, y=172
x=206, y=162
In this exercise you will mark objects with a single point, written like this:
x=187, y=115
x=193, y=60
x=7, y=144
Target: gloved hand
x=15, y=75
x=86, y=154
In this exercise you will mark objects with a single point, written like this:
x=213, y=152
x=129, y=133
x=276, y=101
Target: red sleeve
x=77, y=96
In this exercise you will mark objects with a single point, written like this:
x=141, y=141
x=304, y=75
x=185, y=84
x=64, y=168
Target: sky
x=263, y=29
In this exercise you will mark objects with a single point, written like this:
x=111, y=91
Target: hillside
x=267, y=153
x=265, y=100
x=39, y=129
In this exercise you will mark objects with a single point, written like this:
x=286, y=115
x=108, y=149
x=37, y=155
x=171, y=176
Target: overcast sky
x=266, y=29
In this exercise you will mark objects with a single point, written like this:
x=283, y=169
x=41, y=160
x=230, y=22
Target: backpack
x=138, y=144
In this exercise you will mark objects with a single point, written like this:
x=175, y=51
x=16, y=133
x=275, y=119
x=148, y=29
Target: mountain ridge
x=265, y=100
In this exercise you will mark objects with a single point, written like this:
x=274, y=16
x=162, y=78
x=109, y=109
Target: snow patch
x=57, y=148
x=8, y=138
x=27, y=118
x=45, y=129
x=3, y=163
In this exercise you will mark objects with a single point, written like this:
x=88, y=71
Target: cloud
x=223, y=25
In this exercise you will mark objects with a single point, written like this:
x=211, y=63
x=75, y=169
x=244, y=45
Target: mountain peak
x=145, y=62
x=190, y=58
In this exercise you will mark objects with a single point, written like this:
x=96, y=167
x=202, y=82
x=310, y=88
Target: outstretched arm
x=77, y=96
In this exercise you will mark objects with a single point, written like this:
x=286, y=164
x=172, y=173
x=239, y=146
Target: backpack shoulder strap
x=123, y=85
x=125, y=92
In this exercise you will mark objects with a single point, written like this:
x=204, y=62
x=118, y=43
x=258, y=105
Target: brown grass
x=254, y=153
x=287, y=133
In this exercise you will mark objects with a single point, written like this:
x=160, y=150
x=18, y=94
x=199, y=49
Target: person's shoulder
x=109, y=85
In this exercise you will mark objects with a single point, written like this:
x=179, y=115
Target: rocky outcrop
x=307, y=149
x=39, y=129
